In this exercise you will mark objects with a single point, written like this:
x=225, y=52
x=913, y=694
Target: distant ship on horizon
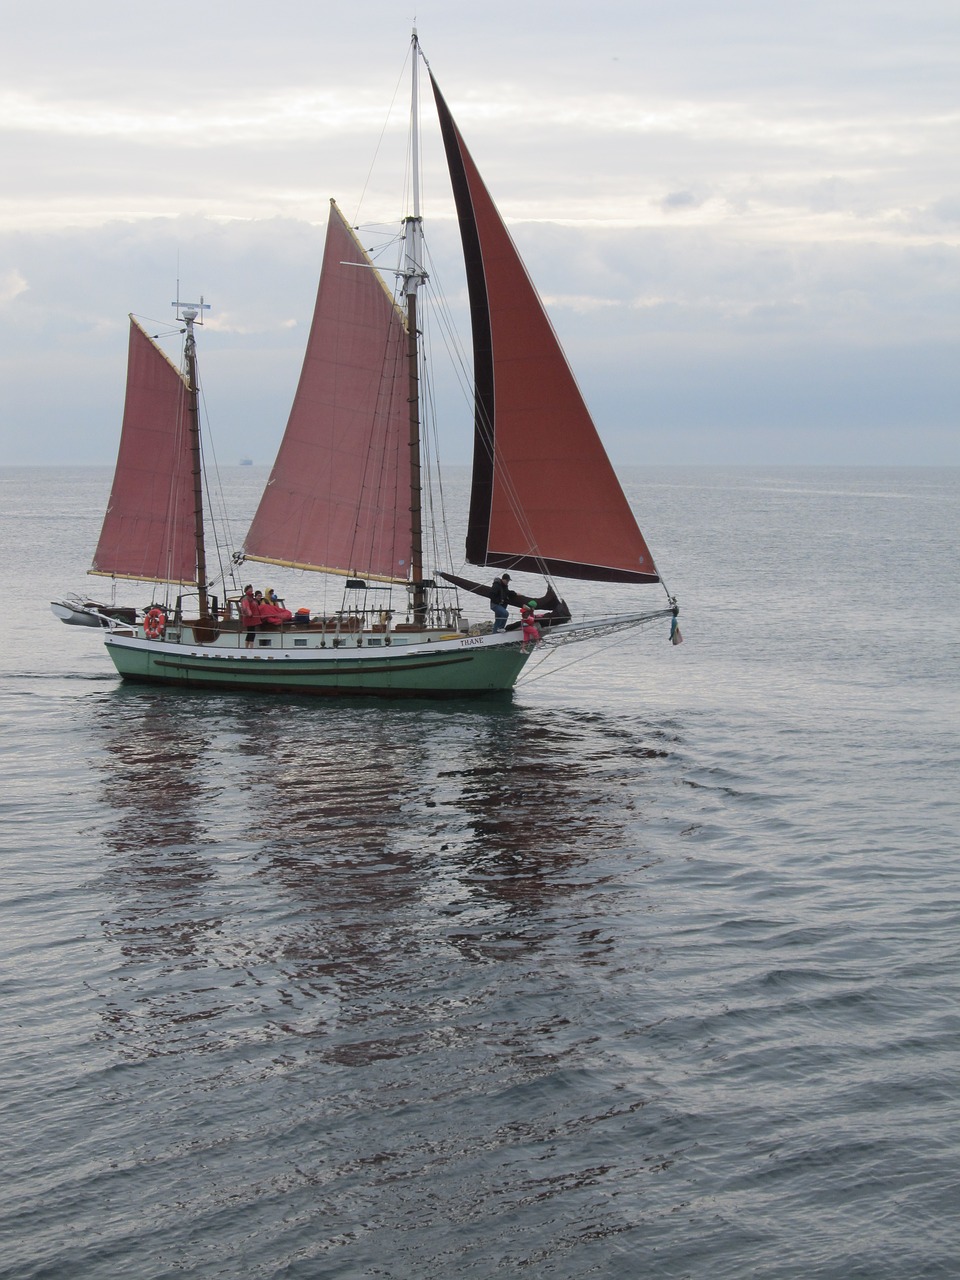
x=246, y=462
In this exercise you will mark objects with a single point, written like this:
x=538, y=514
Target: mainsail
x=148, y=532
x=338, y=497
x=545, y=497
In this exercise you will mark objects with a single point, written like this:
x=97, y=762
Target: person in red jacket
x=531, y=632
x=272, y=610
x=250, y=613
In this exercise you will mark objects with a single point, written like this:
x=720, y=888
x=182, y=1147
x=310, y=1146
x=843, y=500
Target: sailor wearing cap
x=499, y=597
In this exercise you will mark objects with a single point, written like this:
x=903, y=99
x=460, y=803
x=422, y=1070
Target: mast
x=413, y=275
x=189, y=313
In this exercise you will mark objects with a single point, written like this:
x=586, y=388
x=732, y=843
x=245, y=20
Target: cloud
x=12, y=284
x=737, y=215
x=680, y=200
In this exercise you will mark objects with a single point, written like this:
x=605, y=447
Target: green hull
x=441, y=670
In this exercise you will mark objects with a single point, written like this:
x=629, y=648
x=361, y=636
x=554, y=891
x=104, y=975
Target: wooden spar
x=193, y=408
x=413, y=276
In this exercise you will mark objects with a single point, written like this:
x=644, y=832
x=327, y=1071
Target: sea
x=649, y=970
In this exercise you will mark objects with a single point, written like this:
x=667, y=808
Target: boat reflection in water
x=278, y=871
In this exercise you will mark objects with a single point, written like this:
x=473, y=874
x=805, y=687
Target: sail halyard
x=544, y=497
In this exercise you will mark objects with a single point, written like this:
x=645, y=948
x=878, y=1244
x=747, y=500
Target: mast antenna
x=190, y=312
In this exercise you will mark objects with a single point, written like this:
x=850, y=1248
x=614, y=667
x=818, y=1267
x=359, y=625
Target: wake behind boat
x=350, y=491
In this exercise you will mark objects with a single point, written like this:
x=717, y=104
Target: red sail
x=338, y=498
x=545, y=497
x=149, y=532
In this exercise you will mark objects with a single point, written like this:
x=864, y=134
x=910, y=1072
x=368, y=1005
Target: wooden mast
x=189, y=313
x=413, y=276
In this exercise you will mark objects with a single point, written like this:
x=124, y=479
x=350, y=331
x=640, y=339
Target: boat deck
x=331, y=633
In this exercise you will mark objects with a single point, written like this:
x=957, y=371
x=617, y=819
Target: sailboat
x=348, y=493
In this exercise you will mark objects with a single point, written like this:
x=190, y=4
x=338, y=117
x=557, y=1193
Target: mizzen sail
x=338, y=497
x=545, y=497
x=148, y=532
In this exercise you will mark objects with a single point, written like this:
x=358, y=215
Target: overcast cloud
x=744, y=217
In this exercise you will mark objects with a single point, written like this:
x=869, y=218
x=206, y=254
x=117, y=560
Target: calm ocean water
x=650, y=971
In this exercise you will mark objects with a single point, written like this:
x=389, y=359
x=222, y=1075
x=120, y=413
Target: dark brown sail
x=545, y=497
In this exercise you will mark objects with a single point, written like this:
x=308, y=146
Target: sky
x=744, y=218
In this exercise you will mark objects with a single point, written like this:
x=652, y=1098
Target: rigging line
x=377, y=437
x=502, y=473
x=529, y=674
x=363, y=191
x=604, y=644
x=486, y=436
x=440, y=545
x=389, y=378
x=428, y=458
x=536, y=675
x=164, y=328
x=207, y=443
x=517, y=506
x=220, y=516
x=173, y=492
x=173, y=548
x=429, y=435
x=432, y=463
x=455, y=347
x=672, y=598
x=376, y=253
x=452, y=341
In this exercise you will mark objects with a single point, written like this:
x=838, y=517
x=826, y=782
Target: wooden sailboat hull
x=468, y=667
